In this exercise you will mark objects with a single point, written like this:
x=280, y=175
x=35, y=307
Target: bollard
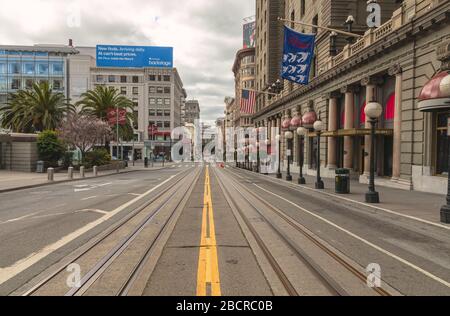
x=95, y=171
x=70, y=173
x=117, y=168
x=51, y=174
x=82, y=172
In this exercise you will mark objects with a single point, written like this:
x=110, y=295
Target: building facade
x=244, y=69
x=22, y=66
x=269, y=46
x=390, y=65
x=191, y=112
x=157, y=94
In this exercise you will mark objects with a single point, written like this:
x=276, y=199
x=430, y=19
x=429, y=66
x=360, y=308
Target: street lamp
x=278, y=139
x=349, y=23
x=319, y=127
x=373, y=111
x=289, y=137
x=301, y=132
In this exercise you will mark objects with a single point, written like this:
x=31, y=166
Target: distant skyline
x=205, y=35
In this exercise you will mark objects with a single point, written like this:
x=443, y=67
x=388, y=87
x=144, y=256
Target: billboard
x=134, y=56
x=249, y=35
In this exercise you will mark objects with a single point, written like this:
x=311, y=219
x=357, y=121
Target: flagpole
x=321, y=27
x=262, y=92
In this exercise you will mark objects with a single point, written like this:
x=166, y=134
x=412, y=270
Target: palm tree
x=99, y=101
x=35, y=110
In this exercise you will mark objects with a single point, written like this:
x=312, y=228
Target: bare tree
x=84, y=132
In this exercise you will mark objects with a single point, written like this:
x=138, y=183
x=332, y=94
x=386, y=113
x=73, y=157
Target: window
x=123, y=79
x=151, y=112
x=160, y=90
x=123, y=90
x=159, y=77
x=57, y=84
x=28, y=83
x=135, y=79
x=302, y=8
x=135, y=90
x=14, y=68
x=442, y=167
x=15, y=84
x=159, y=101
x=315, y=21
x=166, y=78
x=159, y=113
x=166, y=124
x=3, y=67
x=167, y=101
x=167, y=90
x=159, y=124
x=99, y=78
x=28, y=68
x=152, y=78
x=111, y=78
x=57, y=68
x=152, y=101
x=166, y=112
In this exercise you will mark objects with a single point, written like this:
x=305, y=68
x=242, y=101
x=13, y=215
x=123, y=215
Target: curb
x=68, y=181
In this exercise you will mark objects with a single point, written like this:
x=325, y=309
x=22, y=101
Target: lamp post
x=373, y=111
x=301, y=132
x=257, y=158
x=279, y=174
x=289, y=137
x=349, y=23
x=318, y=127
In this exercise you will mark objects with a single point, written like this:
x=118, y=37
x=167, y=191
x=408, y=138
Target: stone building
x=244, y=78
x=191, y=111
x=269, y=45
x=389, y=64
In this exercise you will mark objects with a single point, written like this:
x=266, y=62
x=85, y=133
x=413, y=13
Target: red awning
x=435, y=95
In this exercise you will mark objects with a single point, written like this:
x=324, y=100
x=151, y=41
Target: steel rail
x=297, y=226
x=102, y=265
x=290, y=289
x=322, y=275
x=115, y=228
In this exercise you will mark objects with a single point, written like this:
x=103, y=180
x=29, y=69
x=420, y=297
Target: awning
x=435, y=95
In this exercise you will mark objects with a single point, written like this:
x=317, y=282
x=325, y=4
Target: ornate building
x=389, y=64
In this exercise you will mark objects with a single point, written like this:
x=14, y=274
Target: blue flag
x=297, y=56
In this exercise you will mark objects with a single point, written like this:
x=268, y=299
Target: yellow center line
x=208, y=262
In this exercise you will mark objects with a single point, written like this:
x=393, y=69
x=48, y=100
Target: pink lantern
x=309, y=119
x=286, y=123
x=296, y=122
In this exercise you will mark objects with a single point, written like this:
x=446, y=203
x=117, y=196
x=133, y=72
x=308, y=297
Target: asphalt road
x=414, y=257
x=40, y=226
x=208, y=249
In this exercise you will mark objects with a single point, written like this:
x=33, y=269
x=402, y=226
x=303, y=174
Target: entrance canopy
x=435, y=95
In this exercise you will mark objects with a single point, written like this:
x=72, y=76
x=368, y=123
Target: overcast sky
x=204, y=33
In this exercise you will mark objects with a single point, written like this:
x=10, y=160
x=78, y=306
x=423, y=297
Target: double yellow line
x=208, y=278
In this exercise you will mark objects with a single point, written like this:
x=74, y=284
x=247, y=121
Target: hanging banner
x=112, y=116
x=298, y=55
x=250, y=35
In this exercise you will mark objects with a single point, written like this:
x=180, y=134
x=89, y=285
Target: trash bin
x=146, y=162
x=342, y=181
x=40, y=166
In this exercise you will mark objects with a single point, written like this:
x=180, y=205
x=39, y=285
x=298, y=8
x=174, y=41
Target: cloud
x=205, y=34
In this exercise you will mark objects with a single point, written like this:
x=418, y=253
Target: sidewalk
x=13, y=180
x=425, y=206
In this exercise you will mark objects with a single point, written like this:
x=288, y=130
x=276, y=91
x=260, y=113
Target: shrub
x=97, y=157
x=50, y=148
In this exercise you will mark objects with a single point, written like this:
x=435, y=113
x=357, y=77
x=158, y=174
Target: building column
x=332, y=127
x=349, y=124
x=397, y=72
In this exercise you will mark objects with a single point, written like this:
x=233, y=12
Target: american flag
x=248, y=101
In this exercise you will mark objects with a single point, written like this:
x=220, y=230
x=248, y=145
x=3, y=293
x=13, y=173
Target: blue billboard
x=134, y=56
